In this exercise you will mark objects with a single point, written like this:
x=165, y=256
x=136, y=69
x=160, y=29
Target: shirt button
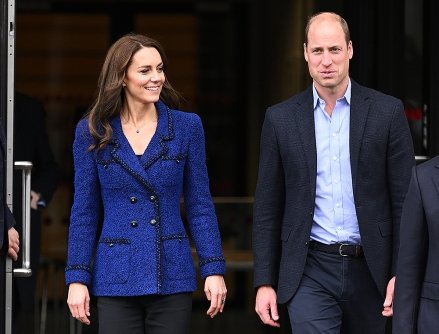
x=152, y=198
x=133, y=199
x=153, y=222
x=134, y=223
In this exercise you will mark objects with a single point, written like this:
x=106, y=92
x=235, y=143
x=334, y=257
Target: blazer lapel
x=305, y=123
x=158, y=146
x=435, y=177
x=358, y=117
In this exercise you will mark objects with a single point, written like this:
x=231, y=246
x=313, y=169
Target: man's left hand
x=388, y=302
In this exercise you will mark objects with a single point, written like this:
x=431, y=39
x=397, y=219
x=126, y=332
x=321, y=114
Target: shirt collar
x=347, y=94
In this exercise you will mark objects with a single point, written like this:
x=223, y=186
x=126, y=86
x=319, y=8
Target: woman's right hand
x=79, y=302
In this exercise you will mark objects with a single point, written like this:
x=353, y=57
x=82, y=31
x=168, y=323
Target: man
x=335, y=163
x=31, y=143
x=417, y=277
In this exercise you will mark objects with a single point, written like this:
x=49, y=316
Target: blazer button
x=152, y=198
x=133, y=199
x=153, y=222
x=134, y=223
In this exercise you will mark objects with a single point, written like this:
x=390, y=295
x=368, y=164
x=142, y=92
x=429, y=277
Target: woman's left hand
x=216, y=291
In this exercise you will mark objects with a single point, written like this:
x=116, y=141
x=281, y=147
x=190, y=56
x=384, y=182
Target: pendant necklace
x=137, y=129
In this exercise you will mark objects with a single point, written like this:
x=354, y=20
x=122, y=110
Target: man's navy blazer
x=381, y=156
x=416, y=304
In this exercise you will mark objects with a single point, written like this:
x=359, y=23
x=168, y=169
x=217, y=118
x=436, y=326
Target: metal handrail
x=25, y=167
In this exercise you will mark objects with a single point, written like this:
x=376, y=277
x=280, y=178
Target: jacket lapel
x=435, y=177
x=358, y=117
x=158, y=146
x=305, y=123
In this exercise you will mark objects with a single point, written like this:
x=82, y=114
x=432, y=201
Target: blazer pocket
x=386, y=228
x=110, y=174
x=169, y=170
x=113, y=260
x=286, y=232
x=430, y=290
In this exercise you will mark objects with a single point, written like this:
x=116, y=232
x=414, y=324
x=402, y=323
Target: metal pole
x=9, y=148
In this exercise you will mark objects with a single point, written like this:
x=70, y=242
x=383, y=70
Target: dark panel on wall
x=222, y=78
x=431, y=73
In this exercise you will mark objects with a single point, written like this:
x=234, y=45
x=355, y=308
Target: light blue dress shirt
x=335, y=218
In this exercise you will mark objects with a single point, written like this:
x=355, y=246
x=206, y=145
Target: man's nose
x=326, y=58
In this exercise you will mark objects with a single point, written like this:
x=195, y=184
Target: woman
x=135, y=157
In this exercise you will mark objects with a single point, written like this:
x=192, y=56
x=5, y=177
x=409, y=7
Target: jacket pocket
x=386, y=228
x=113, y=260
x=169, y=170
x=285, y=233
x=430, y=290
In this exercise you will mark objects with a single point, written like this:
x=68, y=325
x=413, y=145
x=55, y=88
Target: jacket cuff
x=78, y=274
x=212, y=266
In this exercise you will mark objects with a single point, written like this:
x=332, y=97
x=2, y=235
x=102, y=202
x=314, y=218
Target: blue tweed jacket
x=126, y=235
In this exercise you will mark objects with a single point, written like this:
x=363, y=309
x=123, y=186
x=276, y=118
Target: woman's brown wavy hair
x=110, y=93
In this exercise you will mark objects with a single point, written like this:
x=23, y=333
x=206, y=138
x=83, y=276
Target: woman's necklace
x=133, y=125
x=137, y=129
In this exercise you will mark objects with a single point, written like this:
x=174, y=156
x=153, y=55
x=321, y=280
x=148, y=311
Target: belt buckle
x=340, y=250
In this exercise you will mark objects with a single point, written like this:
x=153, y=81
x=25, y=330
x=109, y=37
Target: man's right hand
x=266, y=306
x=14, y=243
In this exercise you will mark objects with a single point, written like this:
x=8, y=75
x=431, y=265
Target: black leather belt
x=340, y=249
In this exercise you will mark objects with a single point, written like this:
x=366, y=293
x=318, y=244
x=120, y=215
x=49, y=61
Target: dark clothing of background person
x=6, y=219
x=416, y=304
x=31, y=143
